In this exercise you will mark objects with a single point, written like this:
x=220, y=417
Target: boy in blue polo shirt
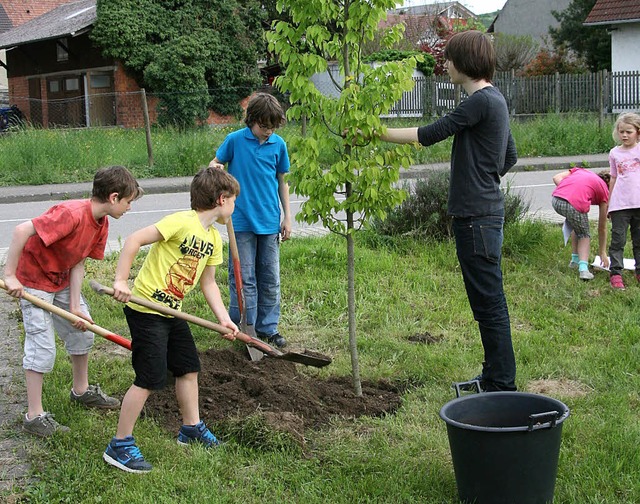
x=258, y=158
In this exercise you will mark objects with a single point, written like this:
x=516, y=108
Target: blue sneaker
x=125, y=455
x=197, y=433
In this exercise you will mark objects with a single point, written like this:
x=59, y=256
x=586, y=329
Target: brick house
x=58, y=77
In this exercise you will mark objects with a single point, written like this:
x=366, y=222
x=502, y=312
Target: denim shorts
x=39, y=326
x=159, y=344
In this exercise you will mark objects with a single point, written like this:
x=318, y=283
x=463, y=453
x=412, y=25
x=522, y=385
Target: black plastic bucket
x=505, y=446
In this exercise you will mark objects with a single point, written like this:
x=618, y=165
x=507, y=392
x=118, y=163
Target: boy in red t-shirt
x=46, y=258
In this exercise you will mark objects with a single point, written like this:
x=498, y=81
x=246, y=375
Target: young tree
x=358, y=181
x=183, y=49
x=592, y=43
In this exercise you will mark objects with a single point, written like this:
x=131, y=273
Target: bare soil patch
x=233, y=387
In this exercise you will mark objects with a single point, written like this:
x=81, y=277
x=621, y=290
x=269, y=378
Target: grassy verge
x=579, y=339
x=37, y=156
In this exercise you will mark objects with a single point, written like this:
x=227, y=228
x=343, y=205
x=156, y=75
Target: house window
x=100, y=81
x=72, y=84
x=54, y=86
x=61, y=48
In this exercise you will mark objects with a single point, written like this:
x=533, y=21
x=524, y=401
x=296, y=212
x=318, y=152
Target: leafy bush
x=425, y=66
x=424, y=212
x=206, y=49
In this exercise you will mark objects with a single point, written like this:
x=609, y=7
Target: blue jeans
x=479, y=249
x=260, y=265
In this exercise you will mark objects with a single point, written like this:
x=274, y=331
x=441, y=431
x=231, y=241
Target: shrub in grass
x=423, y=213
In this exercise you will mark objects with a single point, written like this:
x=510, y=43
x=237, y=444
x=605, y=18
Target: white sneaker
x=586, y=275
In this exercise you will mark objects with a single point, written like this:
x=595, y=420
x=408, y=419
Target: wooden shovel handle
x=245, y=338
x=237, y=269
x=56, y=310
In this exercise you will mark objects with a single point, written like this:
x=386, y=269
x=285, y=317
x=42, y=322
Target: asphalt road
x=147, y=210
x=536, y=186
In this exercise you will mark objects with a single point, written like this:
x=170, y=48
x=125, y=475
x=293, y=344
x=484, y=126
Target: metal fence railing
x=601, y=93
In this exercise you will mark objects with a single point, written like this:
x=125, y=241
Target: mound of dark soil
x=232, y=386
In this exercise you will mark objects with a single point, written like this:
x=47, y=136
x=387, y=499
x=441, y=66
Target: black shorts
x=159, y=343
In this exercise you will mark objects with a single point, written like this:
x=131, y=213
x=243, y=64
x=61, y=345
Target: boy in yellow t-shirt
x=186, y=248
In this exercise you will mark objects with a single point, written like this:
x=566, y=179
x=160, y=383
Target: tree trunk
x=351, y=303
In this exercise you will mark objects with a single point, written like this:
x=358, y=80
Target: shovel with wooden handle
x=307, y=358
x=56, y=310
x=254, y=353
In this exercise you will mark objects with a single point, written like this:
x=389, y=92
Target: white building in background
x=622, y=20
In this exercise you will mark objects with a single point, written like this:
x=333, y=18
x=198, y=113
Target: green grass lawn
x=576, y=341
x=41, y=156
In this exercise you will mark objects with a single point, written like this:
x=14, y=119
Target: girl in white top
x=624, y=199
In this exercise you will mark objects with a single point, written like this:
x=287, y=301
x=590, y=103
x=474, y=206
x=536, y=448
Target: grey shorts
x=39, y=325
x=579, y=221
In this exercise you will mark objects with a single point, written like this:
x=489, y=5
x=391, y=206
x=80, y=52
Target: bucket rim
x=561, y=408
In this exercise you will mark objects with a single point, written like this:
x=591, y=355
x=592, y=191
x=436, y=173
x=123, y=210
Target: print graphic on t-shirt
x=181, y=276
x=196, y=247
x=183, y=272
x=628, y=165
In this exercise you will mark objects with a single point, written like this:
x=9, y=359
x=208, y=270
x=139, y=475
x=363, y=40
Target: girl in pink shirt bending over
x=577, y=189
x=624, y=204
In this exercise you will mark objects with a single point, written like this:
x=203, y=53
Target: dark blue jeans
x=479, y=249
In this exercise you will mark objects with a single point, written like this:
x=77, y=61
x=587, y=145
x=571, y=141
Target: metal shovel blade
x=254, y=353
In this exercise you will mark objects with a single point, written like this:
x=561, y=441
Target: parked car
x=10, y=118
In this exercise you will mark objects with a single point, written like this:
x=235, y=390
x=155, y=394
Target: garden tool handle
x=245, y=338
x=237, y=269
x=71, y=317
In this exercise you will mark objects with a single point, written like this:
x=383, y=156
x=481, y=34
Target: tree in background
x=415, y=27
x=441, y=31
x=197, y=55
x=353, y=179
x=550, y=62
x=513, y=52
x=591, y=43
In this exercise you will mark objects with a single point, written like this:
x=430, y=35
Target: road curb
x=57, y=192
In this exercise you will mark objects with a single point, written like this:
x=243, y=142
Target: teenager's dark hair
x=208, y=185
x=605, y=176
x=472, y=53
x=265, y=110
x=115, y=179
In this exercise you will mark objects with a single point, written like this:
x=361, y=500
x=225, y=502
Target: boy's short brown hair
x=208, y=185
x=265, y=110
x=472, y=53
x=115, y=179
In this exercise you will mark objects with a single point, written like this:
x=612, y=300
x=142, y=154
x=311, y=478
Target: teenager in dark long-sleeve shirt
x=483, y=150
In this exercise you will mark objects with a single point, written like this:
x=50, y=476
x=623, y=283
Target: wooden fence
x=602, y=93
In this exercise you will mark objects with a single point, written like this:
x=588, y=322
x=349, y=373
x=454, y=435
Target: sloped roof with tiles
x=67, y=19
x=21, y=11
x=614, y=11
x=5, y=22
